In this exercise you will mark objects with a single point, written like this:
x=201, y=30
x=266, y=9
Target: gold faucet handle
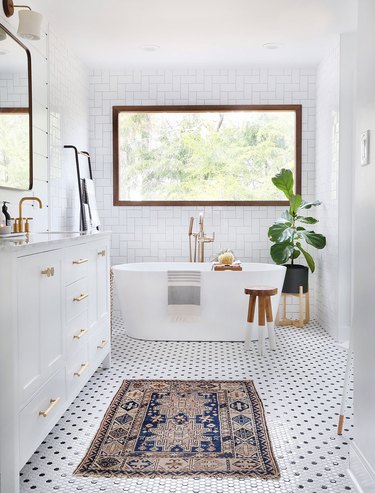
x=27, y=225
x=15, y=224
x=21, y=225
x=209, y=239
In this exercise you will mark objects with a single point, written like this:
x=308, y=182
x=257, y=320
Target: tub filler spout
x=200, y=238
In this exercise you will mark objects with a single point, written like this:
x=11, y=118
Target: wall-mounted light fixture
x=30, y=22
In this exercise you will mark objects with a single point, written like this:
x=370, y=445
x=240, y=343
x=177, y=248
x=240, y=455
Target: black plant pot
x=296, y=276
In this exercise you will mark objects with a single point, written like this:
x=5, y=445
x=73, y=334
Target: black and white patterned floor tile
x=300, y=385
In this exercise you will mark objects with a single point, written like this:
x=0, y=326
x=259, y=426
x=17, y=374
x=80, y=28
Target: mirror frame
x=30, y=106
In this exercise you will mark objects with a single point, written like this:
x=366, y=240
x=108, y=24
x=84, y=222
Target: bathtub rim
x=171, y=266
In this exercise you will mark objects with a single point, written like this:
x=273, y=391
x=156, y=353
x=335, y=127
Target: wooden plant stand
x=301, y=320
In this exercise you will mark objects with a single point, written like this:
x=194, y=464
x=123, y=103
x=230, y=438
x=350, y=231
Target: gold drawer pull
x=102, y=253
x=52, y=404
x=81, y=370
x=81, y=297
x=102, y=345
x=80, y=261
x=49, y=272
x=81, y=334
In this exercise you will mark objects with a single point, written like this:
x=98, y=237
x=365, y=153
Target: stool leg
x=250, y=322
x=300, y=298
x=261, y=324
x=248, y=336
x=270, y=324
x=345, y=390
x=307, y=301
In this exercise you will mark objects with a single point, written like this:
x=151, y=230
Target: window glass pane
x=15, y=150
x=204, y=156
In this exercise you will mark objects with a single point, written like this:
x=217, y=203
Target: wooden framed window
x=204, y=155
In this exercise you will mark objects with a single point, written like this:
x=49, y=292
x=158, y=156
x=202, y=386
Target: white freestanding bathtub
x=142, y=289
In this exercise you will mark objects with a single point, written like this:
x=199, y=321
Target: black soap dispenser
x=6, y=213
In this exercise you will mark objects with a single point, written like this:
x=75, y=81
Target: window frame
x=296, y=108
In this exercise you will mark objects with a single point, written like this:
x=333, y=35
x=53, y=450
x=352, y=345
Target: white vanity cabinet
x=39, y=321
x=55, y=332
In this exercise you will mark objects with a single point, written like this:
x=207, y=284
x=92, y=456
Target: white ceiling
x=113, y=33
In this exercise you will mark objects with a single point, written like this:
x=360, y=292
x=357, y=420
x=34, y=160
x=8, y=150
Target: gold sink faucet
x=19, y=220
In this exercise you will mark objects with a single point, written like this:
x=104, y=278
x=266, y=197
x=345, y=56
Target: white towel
x=90, y=199
x=184, y=295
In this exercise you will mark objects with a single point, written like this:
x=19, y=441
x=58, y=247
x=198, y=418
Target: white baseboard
x=361, y=472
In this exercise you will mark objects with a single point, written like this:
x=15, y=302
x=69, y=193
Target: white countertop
x=46, y=240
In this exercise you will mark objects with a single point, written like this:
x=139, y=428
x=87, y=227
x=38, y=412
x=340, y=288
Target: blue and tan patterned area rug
x=179, y=428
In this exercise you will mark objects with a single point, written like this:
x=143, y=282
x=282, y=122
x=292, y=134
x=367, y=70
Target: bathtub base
x=142, y=290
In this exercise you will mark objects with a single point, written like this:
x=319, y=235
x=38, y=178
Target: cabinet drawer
x=40, y=415
x=76, y=263
x=77, y=333
x=100, y=343
x=77, y=295
x=77, y=369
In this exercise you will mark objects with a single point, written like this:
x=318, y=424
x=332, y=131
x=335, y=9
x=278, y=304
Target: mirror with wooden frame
x=16, y=153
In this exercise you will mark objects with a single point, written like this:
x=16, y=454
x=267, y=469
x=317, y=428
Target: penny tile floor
x=300, y=385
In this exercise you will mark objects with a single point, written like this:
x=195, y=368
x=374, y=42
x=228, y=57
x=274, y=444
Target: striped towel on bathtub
x=184, y=295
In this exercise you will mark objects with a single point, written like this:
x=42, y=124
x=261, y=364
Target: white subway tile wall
x=143, y=234
x=327, y=168
x=13, y=90
x=68, y=126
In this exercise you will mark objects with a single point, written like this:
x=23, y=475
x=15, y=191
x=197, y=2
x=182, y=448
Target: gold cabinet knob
x=49, y=272
x=52, y=404
x=81, y=370
x=81, y=297
x=81, y=334
x=102, y=345
x=101, y=253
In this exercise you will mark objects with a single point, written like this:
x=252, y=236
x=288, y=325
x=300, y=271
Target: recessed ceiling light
x=150, y=48
x=272, y=46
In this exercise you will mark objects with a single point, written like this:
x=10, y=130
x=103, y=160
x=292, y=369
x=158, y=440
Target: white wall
x=327, y=169
x=334, y=156
x=160, y=233
x=69, y=114
x=39, y=55
x=362, y=461
x=13, y=90
x=60, y=116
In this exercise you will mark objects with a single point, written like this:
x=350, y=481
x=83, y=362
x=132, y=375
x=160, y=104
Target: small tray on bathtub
x=222, y=267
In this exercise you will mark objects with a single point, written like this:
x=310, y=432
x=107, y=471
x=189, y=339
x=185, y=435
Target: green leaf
x=307, y=220
x=287, y=216
x=314, y=239
x=308, y=205
x=280, y=232
x=281, y=220
x=284, y=182
x=308, y=257
x=295, y=202
x=281, y=252
x=296, y=254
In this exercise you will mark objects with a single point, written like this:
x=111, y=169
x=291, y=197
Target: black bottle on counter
x=6, y=213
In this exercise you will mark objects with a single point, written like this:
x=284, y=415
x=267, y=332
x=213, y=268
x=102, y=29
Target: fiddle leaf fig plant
x=287, y=234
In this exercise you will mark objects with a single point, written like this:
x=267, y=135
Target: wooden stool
x=301, y=320
x=263, y=293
